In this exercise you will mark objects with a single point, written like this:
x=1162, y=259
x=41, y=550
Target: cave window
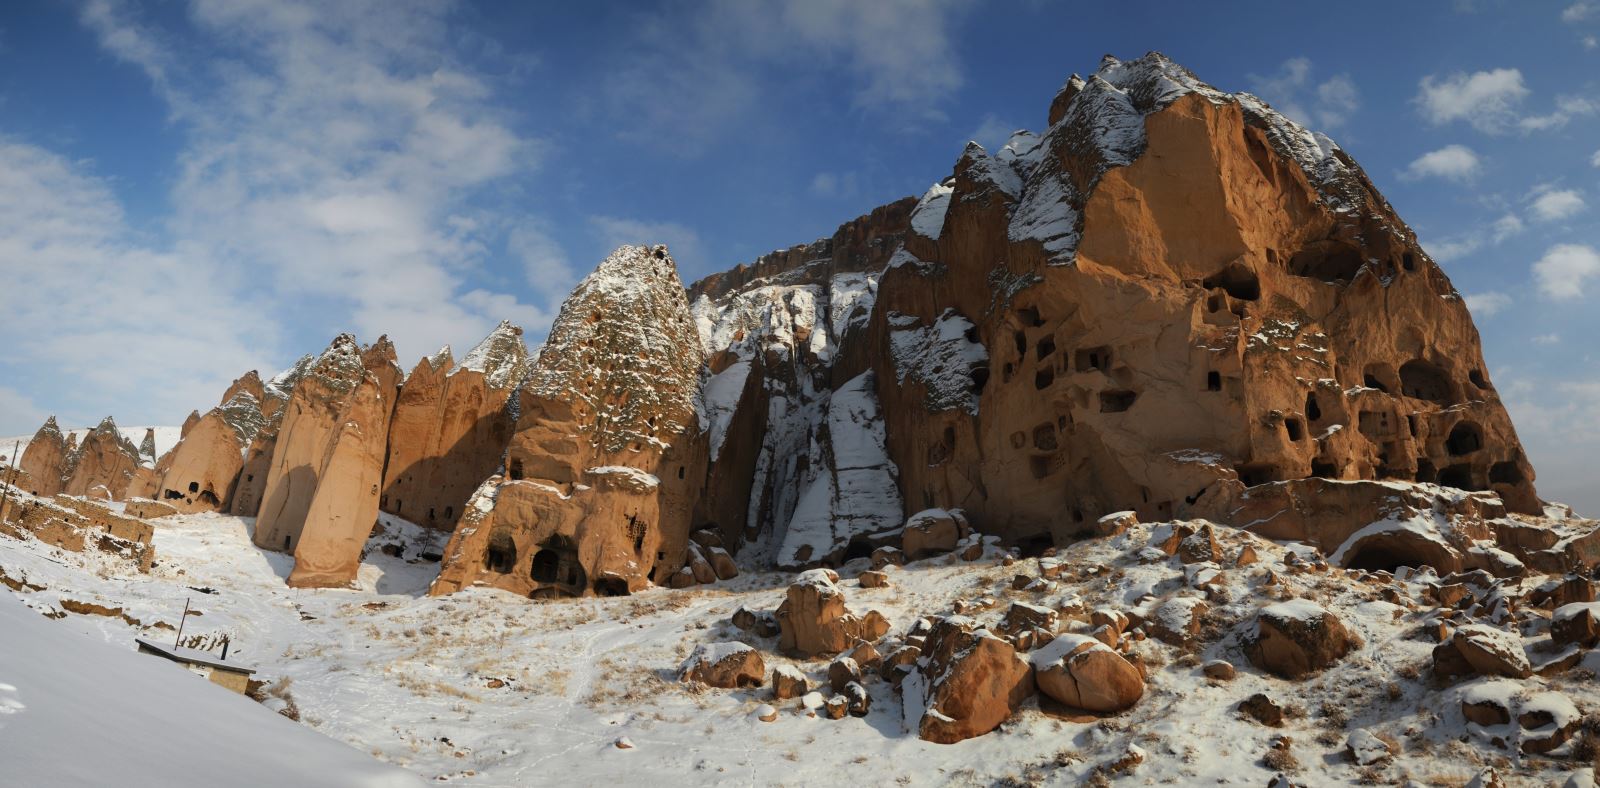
x=1477, y=378
x=398, y=505
x=1458, y=476
x=1412, y=424
x=1044, y=437
x=858, y=548
x=980, y=378
x=1329, y=261
x=1426, y=472
x=1044, y=377
x=1094, y=358
x=1422, y=380
x=1373, y=423
x=1465, y=438
x=971, y=334
x=285, y=543
x=1018, y=439
x=1296, y=430
x=430, y=514
x=1236, y=280
x=1324, y=469
x=516, y=470
x=172, y=495
x=1213, y=381
x=1313, y=411
x=1047, y=345
x=1505, y=472
x=611, y=586
x=637, y=531
x=501, y=555
x=1005, y=374
x=209, y=498
x=1042, y=465
x=1117, y=401
x=1214, y=303
x=1257, y=473
x=194, y=487
x=1408, y=261
x=1022, y=342
x=449, y=512
x=249, y=477
x=546, y=563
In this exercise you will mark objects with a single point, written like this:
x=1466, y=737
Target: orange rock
x=971, y=682
x=1083, y=673
x=814, y=619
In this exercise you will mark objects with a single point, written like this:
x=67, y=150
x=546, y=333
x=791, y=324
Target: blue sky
x=192, y=188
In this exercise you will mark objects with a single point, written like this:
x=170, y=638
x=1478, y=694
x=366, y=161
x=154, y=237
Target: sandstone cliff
x=45, y=461
x=451, y=427
x=608, y=455
x=321, y=493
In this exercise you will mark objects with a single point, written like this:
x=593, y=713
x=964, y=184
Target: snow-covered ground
x=485, y=688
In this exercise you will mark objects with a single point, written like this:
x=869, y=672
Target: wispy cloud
x=1326, y=105
x=1580, y=11
x=1453, y=162
x=1567, y=108
x=1487, y=304
x=1487, y=100
x=834, y=184
x=1565, y=270
x=682, y=78
x=1549, y=204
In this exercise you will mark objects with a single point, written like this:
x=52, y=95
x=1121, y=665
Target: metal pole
x=181, y=621
x=5, y=494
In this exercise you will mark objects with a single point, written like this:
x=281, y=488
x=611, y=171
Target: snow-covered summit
x=501, y=357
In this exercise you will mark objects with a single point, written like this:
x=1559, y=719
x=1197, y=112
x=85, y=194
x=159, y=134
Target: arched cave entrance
x=610, y=585
x=1422, y=380
x=501, y=555
x=556, y=565
x=1465, y=438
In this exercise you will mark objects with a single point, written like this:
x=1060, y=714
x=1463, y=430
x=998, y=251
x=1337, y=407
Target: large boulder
x=1482, y=650
x=1296, y=638
x=1083, y=673
x=727, y=665
x=968, y=682
x=932, y=532
x=814, y=620
x=1576, y=624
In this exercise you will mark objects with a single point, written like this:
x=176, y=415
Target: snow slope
x=76, y=712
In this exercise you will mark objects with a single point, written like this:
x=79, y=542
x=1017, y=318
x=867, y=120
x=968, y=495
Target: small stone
x=623, y=743
x=788, y=682
x=1218, y=670
x=873, y=578
x=1263, y=709
x=837, y=707
x=766, y=713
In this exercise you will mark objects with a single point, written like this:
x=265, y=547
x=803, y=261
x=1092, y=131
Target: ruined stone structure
x=608, y=457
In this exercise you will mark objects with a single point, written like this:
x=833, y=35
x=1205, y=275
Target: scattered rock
x=837, y=707
x=860, y=702
x=813, y=618
x=1083, y=673
x=1577, y=623
x=788, y=682
x=1483, y=650
x=1296, y=638
x=766, y=713
x=1218, y=670
x=725, y=665
x=932, y=532
x=970, y=682
x=842, y=671
x=623, y=743
x=1263, y=709
x=1366, y=749
x=873, y=578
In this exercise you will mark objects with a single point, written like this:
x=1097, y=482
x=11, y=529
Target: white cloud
x=335, y=151
x=1320, y=105
x=102, y=312
x=1487, y=304
x=833, y=184
x=1455, y=162
x=1447, y=249
x=1546, y=339
x=1595, y=159
x=1590, y=42
x=682, y=242
x=1485, y=99
x=1579, y=11
x=992, y=133
x=1550, y=204
x=1565, y=269
x=1567, y=108
x=543, y=260
x=1505, y=227
x=681, y=78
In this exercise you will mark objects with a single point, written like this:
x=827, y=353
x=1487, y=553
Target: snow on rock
x=927, y=219
x=941, y=357
x=851, y=490
x=501, y=357
x=78, y=712
x=1365, y=748
x=632, y=477
x=850, y=299
x=719, y=397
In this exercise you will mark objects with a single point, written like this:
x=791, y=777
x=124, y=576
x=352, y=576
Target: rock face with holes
x=45, y=461
x=321, y=493
x=608, y=456
x=451, y=427
x=203, y=470
x=1170, y=296
x=106, y=465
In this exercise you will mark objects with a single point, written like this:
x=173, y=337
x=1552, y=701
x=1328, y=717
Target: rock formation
x=1171, y=296
x=202, y=472
x=451, y=427
x=106, y=465
x=608, y=455
x=321, y=493
x=45, y=461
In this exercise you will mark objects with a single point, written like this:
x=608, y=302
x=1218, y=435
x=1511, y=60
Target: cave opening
x=1117, y=401
x=1465, y=438
x=1329, y=261
x=1422, y=380
x=1237, y=280
x=1506, y=472
x=1044, y=377
x=1213, y=381
x=501, y=555
x=1313, y=411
